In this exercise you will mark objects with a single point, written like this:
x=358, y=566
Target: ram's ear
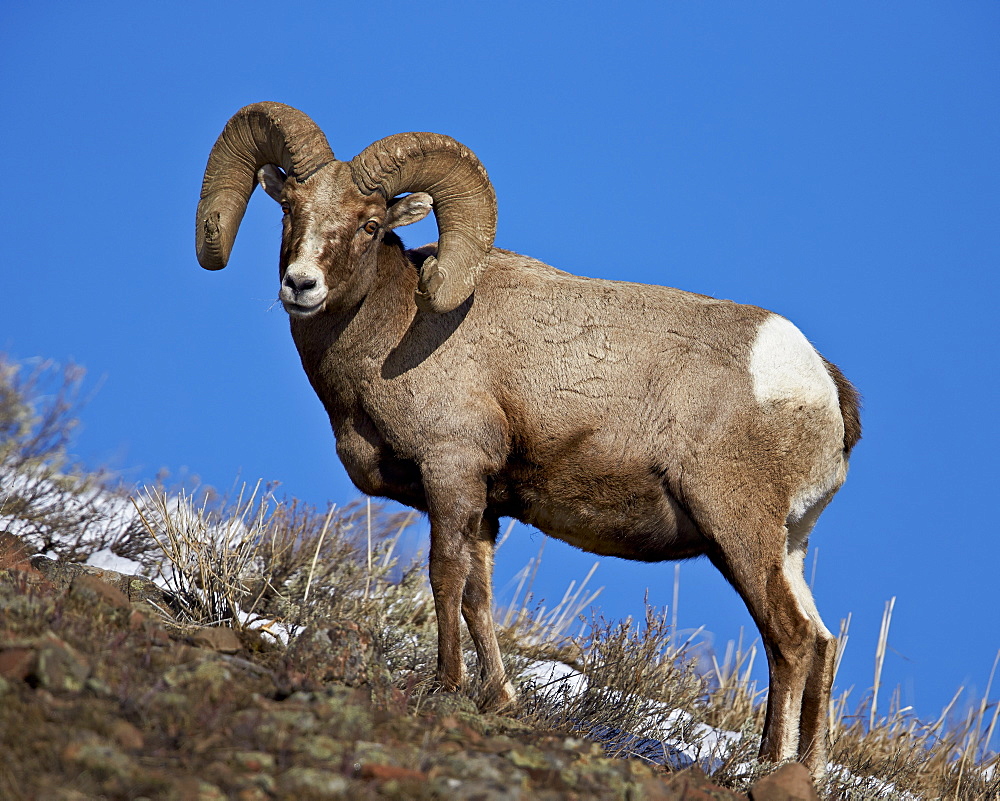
x=409, y=209
x=272, y=179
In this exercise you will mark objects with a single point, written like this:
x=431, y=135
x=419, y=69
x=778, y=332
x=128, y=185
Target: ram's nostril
x=299, y=283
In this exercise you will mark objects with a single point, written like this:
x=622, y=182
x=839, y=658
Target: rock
x=69, y=794
x=449, y=706
x=693, y=785
x=58, y=666
x=156, y=633
x=790, y=782
x=312, y=783
x=527, y=757
x=655, y=789
x=197, y=789
x=340, y=652
x=99, y=757
x=321, y=748
x=384, y=773
x=476, y=790
x=127, y=735
x=17, y=663
x=254, y=761
x=135, y=588
x=61, y=574
x=223, y=640
x=91, y=588
x=204, y=678
x=253, y=793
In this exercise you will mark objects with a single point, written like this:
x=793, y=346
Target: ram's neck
x=341, y=352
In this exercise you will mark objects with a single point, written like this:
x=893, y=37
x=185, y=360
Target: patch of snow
x=549, y=673
x=708, y=745
x=869, y=784
x=107, y=560
x=277, y=631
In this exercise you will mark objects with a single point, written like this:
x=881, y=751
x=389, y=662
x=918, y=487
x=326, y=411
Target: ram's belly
x=616, y=513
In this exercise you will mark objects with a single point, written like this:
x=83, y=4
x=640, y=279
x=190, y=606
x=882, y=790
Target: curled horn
x=258, y=134
x=465, y=207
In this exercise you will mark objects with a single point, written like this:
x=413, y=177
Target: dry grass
x=947, y=758
x=539, y=630
x=633, y=674
x=254, y=560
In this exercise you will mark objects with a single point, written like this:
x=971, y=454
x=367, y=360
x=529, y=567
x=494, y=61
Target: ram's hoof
x=499, y=700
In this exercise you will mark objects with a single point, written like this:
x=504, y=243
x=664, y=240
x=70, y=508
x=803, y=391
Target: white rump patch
x=784, y=366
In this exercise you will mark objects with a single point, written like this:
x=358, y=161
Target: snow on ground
x=707, y=745
x=107, y=560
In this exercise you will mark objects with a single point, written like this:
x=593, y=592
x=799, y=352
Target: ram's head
x=336, y=213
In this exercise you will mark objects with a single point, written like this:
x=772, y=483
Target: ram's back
x=629, y=361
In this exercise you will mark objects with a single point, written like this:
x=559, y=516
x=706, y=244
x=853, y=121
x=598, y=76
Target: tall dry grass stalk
x=883, y=642
x=539, y=625
x=895, y=753
x=634, y=676
x=735, y=702
x=880, y=752
x=319, y=546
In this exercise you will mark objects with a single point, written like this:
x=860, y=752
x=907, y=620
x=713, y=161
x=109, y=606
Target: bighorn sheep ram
x=473, y=383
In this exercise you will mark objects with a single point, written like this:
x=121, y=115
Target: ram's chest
x=374, y=466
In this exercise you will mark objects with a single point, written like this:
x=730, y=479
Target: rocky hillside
x=285, y=651
x=101, y=698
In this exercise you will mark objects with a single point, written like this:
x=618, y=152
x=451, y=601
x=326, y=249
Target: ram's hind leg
x=753, y=556
x=477, y=608
x=814, y=723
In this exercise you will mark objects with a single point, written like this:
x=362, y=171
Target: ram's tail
x=850, y=407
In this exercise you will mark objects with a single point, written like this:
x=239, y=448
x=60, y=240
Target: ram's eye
x=371, y=227
x=286, y=208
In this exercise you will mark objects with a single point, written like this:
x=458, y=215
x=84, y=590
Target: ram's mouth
x=301, y=311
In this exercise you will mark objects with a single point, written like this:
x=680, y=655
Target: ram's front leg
x=449, y=570
x=456, y=511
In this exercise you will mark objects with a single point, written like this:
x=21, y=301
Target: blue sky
x=839, y=164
